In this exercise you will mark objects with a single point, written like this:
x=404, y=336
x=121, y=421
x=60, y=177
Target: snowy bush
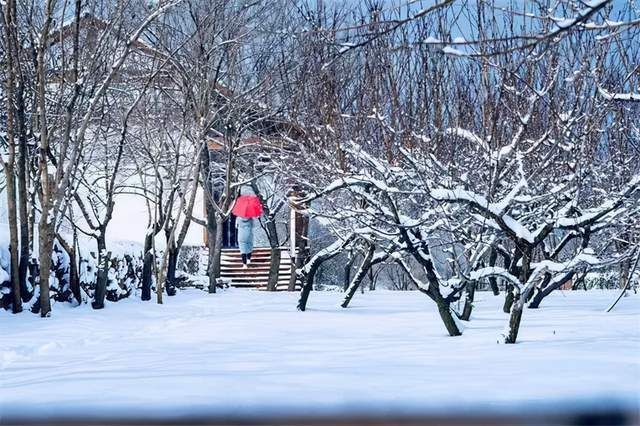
x=601, y=280
x=5, y=277
x=123, y=275
x=190, y=259
x=60, y=270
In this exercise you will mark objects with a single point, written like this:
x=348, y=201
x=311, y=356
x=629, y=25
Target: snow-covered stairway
x=257, y=274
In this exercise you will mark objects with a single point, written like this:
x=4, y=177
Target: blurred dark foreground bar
x=608, y=418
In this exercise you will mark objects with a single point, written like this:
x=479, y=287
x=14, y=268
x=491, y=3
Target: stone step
x=257, y=274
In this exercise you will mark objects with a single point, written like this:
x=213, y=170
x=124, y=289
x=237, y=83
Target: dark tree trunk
x=518, y=305
x=9, y=163
x=147, y=267
x=74, y=278
x=16, y=300
x=22, y=194
x=296, y=264
x=444, y=309
x=538, y=289
x=45, y=246
x=103, y=273
x=308, y=272
x=359, y=276
x=172, y=263
x=274, y=269
x=307, y=280
x=470, y=292
x=422, y=255
x=212, y=230
x=372, y=280
x=215, y=256
x=509, y=288
x=346, y=278
x=276, y=254
x=548, y=289
x=508, y=299
x=514, y=323
x=302, y=248
x=493, y=281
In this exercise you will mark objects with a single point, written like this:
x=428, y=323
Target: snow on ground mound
x=248, y=352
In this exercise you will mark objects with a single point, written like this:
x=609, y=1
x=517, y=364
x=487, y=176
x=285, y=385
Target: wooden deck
x=257, y=274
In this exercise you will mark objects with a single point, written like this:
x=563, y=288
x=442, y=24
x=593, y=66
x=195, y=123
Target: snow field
x=244, y=352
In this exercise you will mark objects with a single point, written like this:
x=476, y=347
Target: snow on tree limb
x=633, y=97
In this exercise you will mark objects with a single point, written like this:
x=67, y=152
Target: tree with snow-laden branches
x=521, y=166
x=463, y=149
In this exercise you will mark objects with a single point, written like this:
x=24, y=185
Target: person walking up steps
x=245, y=239
x=246, y=208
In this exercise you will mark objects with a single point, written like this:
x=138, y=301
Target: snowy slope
x=244, y=352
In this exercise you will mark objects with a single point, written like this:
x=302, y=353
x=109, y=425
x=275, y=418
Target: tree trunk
x=159, y=283
x=215, y=255
x=296, y=264
x=307, y=284
x=470, y=292
x=171, y=270
x=346, y=277
x=276, y=253
x=548, y=289
x=625, y=267
x=493, y=281
x=103, y=273
x=508, y=299
x=211, y=241
x=444, y=309
x=422, y=255
x=514, y=323
x=9, y=163
x=274, y=268
x=13, y=242
x=23, y=154
x=302, y=248
x=74, y=278
x=518, y=304
x=45, y=243
x=308, y=272
x=147, y=267
x=359, y=276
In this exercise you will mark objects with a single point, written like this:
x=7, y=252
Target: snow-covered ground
x=246, y=352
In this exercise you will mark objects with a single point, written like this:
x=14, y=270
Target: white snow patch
x=243, y=352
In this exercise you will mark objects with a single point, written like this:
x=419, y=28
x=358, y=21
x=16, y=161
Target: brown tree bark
x=301, y=255
x=308, y=272
x=9, y=163
x=365, y=266
x=103, y=272
x=518, y=304
x=215, y=254
x=45, y=244
x=470, y=292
